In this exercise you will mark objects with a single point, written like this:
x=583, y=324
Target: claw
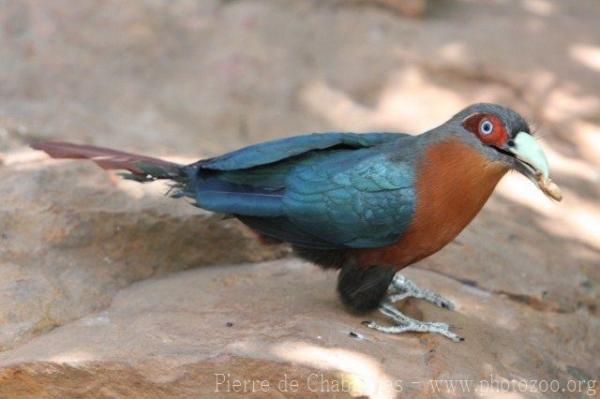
x=417, y=326
x=404, y=288
x=407, y=324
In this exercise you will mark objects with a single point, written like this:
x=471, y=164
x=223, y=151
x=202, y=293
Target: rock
x=409, y=8
x=196, y=332
x=72, y=236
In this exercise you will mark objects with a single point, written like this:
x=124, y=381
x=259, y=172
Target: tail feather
x=142, y=168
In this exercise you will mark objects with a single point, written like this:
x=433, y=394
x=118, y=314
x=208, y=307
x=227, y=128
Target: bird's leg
x=402, y=288
x=407, y=324
x=365, y=288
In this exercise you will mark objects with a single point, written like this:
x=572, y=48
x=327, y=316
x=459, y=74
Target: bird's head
x=504, y=136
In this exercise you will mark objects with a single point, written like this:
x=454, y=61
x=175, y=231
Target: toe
x=442, y=326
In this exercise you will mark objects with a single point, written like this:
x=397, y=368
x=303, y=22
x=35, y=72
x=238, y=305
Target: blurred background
x=187, y=79
x=193, y=78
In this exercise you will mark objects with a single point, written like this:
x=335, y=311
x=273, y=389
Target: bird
x=366, y=204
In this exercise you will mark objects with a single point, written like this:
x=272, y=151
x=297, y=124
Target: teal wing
x=319, y=191
x=360, y=201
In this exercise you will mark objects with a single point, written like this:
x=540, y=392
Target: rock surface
x=95, y=296
x=195, y=332
x=72, y=237
x=409, y=8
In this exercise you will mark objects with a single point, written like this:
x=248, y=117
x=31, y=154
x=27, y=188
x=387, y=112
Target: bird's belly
x=450, y=193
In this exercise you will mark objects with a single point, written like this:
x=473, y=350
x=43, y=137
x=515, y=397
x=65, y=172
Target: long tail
x=141, y=168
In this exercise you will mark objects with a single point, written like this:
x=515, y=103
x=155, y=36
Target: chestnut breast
x=453, y=182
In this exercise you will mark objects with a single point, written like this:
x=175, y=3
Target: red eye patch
x=488, y=128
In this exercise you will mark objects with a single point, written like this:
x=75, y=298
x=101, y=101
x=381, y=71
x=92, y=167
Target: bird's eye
x=489, y=129
x=486, y=127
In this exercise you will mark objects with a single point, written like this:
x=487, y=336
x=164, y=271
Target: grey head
x=501, y=135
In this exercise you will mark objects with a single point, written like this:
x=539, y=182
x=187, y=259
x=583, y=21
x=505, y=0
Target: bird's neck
x=454, y=181
x=454, y=175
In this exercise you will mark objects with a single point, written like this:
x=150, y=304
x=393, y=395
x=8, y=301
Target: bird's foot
x=408, y=324
x=402, y=288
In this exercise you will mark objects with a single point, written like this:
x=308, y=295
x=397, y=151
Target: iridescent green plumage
x=320, y=191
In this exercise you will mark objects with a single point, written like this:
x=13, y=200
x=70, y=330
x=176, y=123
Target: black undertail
x=326, y=258
x=361, y=288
